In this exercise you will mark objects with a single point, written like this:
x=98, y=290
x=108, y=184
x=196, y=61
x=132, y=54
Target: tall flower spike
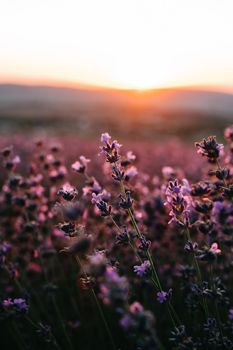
x=178, y=199
x=99, y=201
x=209, y=148
x=110, y=149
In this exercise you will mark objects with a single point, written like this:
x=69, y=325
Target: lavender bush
x=121, y=260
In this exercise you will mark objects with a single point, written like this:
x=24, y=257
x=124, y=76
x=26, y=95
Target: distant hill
x=153, y=111
x=53, y=98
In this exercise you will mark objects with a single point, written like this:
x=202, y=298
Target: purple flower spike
x=143, y=269
x=162, y=297
x=230, y=315
x=209, y=148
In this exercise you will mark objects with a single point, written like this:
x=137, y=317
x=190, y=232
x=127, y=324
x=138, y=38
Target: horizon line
x=106, y=87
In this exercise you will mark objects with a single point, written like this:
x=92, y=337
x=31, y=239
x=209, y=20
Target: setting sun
x=122, y=44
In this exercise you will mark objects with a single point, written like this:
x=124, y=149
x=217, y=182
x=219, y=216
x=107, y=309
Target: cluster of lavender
x=140, y=261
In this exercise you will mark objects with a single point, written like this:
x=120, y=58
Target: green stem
x=216, y=306
x=134, y=250
x=69, y=343
x=62, y=324
x=161, y=347
x=148, y=253
x=89, y=178
x=134, y=223
x=99, y=307
x=198, y=274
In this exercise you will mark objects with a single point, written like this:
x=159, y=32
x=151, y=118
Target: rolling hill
x=175, y=111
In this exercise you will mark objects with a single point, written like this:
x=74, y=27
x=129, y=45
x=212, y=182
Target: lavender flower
x=209, y=148
x=228, y=134
x=4, y=248
x=114, y=288
x=130, y=157
x=110, y=149
x=68, y=192
x=144, y=243
x=105, y=138
x=130, y=173
x=178, y=199
x=123, y=237
x=214, y=249
x=99, y=201
x=191, y=247
x=68, y=228
x=168, y=173
x=230, y=314
x=18, y=305
x=126, y=201
x=162, y=297
x=140, y=322
x=113, y=261
x=126, y=322
x=118, y=174
x=143, y=269
x=209, y=254
x=80, y=166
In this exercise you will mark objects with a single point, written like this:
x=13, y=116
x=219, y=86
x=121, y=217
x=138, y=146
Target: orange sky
x=123, y=44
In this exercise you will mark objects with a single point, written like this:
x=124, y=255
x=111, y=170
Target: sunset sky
x=117, y=43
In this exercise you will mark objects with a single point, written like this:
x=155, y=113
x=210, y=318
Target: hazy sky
x=119, y=43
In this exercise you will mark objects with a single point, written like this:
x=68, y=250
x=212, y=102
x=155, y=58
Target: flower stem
x=99, y=307
x=148, y=253
x=198, y=273
x=216, y=305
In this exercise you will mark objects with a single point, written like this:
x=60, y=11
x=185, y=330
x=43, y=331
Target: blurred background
x=141, y=70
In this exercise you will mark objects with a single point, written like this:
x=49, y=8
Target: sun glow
x=125, y=43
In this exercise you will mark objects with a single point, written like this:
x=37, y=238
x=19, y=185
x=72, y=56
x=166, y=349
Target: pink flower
x=67, y=187
x=116, y=145
x=84, y=160
x=68, y=192
x=7, y=302
x=62, y=171
x=96, y=186
x=81, y=165
x=77, y=166
x=130, y=156
x=131, y=172
x=105, y=137
x=228, y=134
x=168, y=172
x=135, y=307
x=214, y=249
x=103, y=196
x=96, y=198
x=16, y=160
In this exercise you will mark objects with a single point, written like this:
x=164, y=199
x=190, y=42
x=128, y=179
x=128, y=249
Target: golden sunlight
x=125, y=43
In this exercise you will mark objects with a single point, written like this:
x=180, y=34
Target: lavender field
x=116, y=245
x=116, y=175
